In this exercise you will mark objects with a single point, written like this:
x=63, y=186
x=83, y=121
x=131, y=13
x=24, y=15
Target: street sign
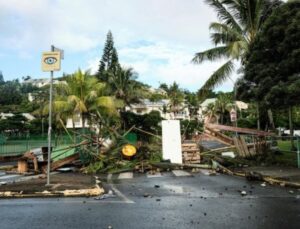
x=51, y=61
x=233, y=115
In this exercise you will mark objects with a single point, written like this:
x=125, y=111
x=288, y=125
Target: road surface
x=169, y=200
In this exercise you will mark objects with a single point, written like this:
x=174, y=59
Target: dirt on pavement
x=59, y=182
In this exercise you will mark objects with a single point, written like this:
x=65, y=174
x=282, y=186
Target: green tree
x=239, y=23
x=192, y=102
x=175, y=95
x=224, y=104
x=15, y=124
x=1, y=78
x=82, y=94
x=123, y=85
x=10, y=93
x=109, y=62
x=272, y=72
x=211, y=112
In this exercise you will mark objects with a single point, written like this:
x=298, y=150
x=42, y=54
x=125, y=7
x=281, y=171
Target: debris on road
x=110, y=194
x=228, y=154
x=146, y=195
x=243, y=193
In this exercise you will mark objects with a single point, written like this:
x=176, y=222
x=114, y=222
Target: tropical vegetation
x=239, y=23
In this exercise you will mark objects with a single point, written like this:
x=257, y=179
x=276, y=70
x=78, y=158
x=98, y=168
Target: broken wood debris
x=190, y=153
x=238, y=130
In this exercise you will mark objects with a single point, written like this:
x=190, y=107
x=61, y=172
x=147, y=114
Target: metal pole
x=50, y=124
x=235, y=107
x=298, y=153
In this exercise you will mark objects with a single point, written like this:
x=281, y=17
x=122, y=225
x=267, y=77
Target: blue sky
x=158, y=38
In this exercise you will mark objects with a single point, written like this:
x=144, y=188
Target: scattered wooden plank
x=190, y=153
x=244, y=146
x=220, y=136
x=220, y=150
x=62, y=162
x=22, y=166
x=238, y=129
x=238, y=147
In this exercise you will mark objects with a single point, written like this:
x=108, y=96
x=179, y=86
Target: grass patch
x=284, y=145
x=286, y=156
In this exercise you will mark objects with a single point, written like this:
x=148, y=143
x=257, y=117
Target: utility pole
x=51, y=62
x=50, y=123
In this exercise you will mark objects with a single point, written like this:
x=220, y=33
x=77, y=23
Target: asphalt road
x=197, y=201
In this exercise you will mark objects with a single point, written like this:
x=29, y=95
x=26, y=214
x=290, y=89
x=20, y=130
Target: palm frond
x=237, y=49
x=223, y=34
x=217, y=78
x=211, y=54
x=223, y=14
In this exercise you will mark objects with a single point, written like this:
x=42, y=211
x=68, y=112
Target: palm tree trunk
x=271, y=120
x=291, y=126
x=74, y=133
x=258, y=116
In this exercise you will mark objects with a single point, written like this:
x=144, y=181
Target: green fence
x=11, y=147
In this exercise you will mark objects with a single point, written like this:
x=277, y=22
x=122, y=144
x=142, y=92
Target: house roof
x=148, y=103
x=208, y=101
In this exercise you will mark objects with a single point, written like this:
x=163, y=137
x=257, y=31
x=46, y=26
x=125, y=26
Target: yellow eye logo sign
x=50, y=60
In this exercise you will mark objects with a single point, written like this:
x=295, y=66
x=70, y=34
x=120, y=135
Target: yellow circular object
x=129, y=150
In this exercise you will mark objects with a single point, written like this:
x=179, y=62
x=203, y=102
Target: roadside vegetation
x=262, y=36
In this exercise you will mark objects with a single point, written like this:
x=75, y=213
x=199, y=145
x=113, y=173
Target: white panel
x=171, y=140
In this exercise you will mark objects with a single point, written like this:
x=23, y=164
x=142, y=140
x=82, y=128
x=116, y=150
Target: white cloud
x=80, y=25
x=164, y=63
x=176, y=30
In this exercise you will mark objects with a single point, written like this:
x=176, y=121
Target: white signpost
x=171, y=141
x=50, y=63
x=233, y=115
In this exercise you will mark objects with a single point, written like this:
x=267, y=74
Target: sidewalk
x=277, y=172
x=62, y=184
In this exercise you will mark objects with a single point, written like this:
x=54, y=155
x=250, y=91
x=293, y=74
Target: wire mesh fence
x=14, y=147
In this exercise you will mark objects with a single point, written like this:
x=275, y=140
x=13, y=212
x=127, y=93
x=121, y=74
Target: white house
x=162, y=106
x=78, y=122
x=203, y=107
x=40, y=82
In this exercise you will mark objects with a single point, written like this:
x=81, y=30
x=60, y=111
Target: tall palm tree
x=124, y=86
x=239, y=22
x=211, y=113
x=224, y=104
x=81, y=94
x=176, y=97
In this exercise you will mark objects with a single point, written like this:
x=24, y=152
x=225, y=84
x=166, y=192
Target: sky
x=157, y=38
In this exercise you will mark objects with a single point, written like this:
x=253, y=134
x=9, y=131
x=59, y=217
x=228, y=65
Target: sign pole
x=50, y=124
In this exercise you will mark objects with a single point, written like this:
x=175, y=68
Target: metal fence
x=14, y=147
